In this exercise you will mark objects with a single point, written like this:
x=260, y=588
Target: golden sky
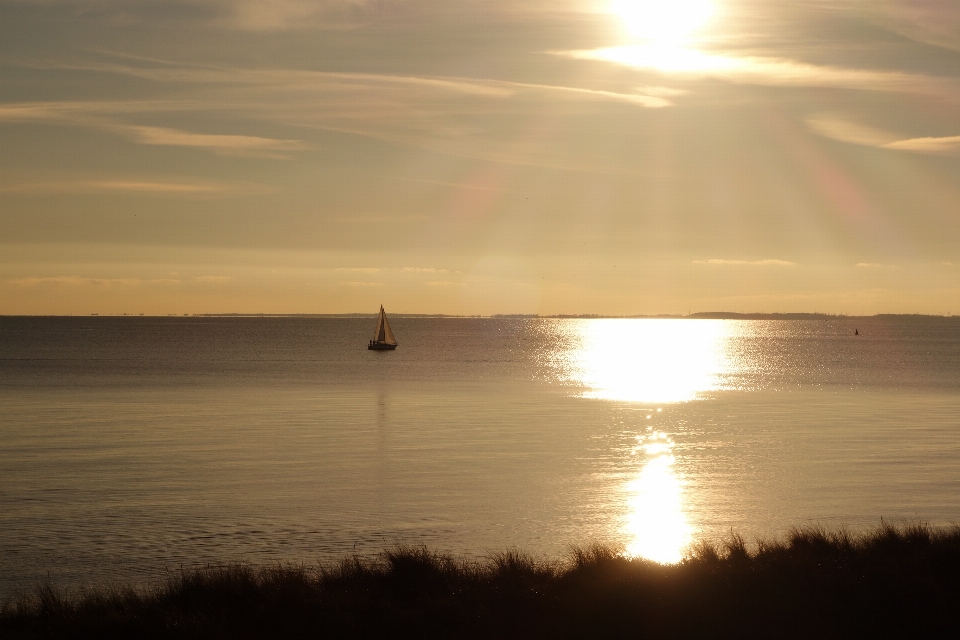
x=479, y=157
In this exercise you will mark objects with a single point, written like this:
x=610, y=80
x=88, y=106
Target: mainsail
x=384, y=334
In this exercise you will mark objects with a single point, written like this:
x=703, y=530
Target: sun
x=666, y=22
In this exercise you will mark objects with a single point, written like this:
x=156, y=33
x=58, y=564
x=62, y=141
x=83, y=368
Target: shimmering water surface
x=131, y=446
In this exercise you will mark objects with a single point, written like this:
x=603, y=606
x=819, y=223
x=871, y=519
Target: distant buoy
x=856, y=332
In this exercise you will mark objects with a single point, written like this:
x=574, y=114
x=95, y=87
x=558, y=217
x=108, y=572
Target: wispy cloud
x=754, y=263
x=424, y=270
x=648, y=100
x=747, y=69
x=246, y=15
x=346, y=83
x=362, y=284
x=341, y=84
x=845, y=130
x=947, y=145
x=359, y=269
x=455, y=116
x=213, y=279
x=145, y=187
x=86, y=112
x=663, y=92
x=103, y=115
x=223, y=144
x=296, y=15
x=73, y=281
x=935, y=23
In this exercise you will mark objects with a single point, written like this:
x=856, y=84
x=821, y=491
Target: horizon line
x=699, y=315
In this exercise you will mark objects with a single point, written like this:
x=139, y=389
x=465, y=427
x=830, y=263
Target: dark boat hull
x=381, y=346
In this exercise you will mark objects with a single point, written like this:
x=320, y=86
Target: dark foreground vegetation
x=894, y=582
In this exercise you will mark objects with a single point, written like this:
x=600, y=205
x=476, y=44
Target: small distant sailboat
x=383, y=339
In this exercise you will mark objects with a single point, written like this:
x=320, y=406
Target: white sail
x=387, y=333
x=384, y=335
x=378, y=334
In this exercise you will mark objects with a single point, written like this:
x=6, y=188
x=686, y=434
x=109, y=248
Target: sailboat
x=383, y=339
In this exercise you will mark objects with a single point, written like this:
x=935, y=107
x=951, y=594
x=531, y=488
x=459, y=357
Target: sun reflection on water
x=653, y=360
x=656, y=526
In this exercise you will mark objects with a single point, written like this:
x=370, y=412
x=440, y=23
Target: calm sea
x=133, y=446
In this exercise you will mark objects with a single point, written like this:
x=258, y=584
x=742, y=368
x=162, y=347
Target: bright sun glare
x=656, y=525
x=665, y=22
x=650, y=360
x=664, y=36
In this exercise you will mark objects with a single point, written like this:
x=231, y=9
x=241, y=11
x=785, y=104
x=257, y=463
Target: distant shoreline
x=701, y=315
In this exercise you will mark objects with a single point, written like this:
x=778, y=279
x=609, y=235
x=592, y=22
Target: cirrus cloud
x=73, y=281
x=846, y=130
x=754, y=263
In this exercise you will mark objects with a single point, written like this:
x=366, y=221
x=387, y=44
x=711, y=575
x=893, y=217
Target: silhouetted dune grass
x=893, y=582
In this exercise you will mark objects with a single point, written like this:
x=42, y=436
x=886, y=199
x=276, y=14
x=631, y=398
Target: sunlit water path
x=132, y=446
